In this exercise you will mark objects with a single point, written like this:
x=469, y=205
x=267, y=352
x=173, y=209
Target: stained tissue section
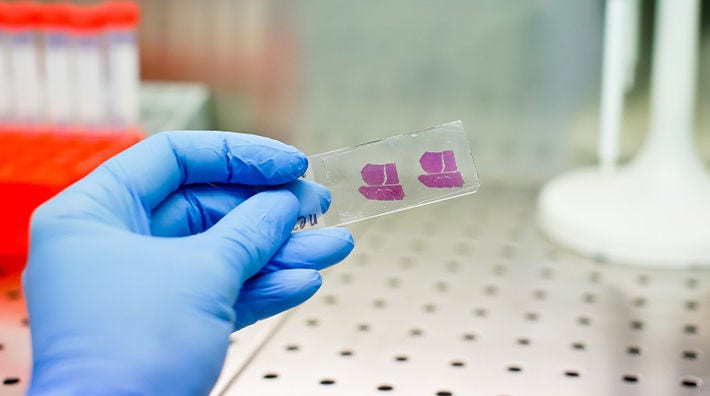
x=382, y=182
x=441, y=170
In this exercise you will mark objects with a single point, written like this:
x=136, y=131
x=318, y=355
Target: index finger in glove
x=159, y=165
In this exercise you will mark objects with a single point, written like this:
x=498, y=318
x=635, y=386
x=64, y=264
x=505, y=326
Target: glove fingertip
x=325, y=199
x=344, y=235
x=300, y=164
x=316, y=280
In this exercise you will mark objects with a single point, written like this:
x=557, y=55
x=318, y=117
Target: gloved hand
x=138, y=273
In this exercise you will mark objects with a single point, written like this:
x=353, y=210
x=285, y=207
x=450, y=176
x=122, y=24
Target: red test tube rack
x=34, y=167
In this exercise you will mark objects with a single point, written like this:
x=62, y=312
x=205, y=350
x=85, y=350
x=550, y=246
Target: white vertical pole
x=673, y=83
x=612, y=94
x=632, y=42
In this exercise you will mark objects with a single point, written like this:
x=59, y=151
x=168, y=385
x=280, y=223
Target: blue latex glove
x=138, y=273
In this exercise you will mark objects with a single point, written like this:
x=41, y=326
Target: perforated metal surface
x=466, y=298
x=14, y=338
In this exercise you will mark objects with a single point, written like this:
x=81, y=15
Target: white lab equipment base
x=656, y=211
x=641, y=215
x=466, y=298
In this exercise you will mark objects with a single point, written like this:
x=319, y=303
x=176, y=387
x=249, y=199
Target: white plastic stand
x=656, y=210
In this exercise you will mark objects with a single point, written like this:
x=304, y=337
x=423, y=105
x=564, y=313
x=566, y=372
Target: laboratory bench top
x=466, y=297
x=463, y=297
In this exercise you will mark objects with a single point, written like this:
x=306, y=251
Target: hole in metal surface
x=415, y=332
x=11, y=381
x=363, y=327
x=572, y=373
x=452, y=266
x=12, y=295
x=643, y=279
x=523, y=341
x=480, y=312
x=633, y=350
x=406, y=262
x=532, y=316
x=346, y=278
x=346, y=352
x=270, y=376
x=401, y=358
x=630, y=378
x=691, y=305
x=589, y=298
x=444, y=393
x=418, y=245
x=379, y=303
x=594, y=277
x=385, y=388
x=292, y=347
x=499, y=270
x=469, y=336
x=25, y=322
x=636, y=325
x=639, y=302
x=690, y=329
x=584, y=320
x=457, y=363
x=312, y=322
x=490, y=290
x=539, y=294
x=363, y=258
x=691, y=283
x=441, y=286
x=514, y=368
x=691, y=382
x=327, y=381
x=508, y=251
x=429, y=308
x=330, y=299
x=579, y=346
x=462, y=248
x=546, y=273
x=690, y=354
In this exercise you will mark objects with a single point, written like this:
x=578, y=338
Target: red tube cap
x=122, y=14
x=57, y=15
x=3, y=7
x=87, y=19
x=23, y=15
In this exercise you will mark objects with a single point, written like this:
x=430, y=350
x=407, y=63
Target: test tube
x=122, y=22
x=21, y=22
x=5, y=80
x=87, y=25
x=61, y=102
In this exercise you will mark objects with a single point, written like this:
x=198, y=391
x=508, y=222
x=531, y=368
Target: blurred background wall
x=523, y=75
